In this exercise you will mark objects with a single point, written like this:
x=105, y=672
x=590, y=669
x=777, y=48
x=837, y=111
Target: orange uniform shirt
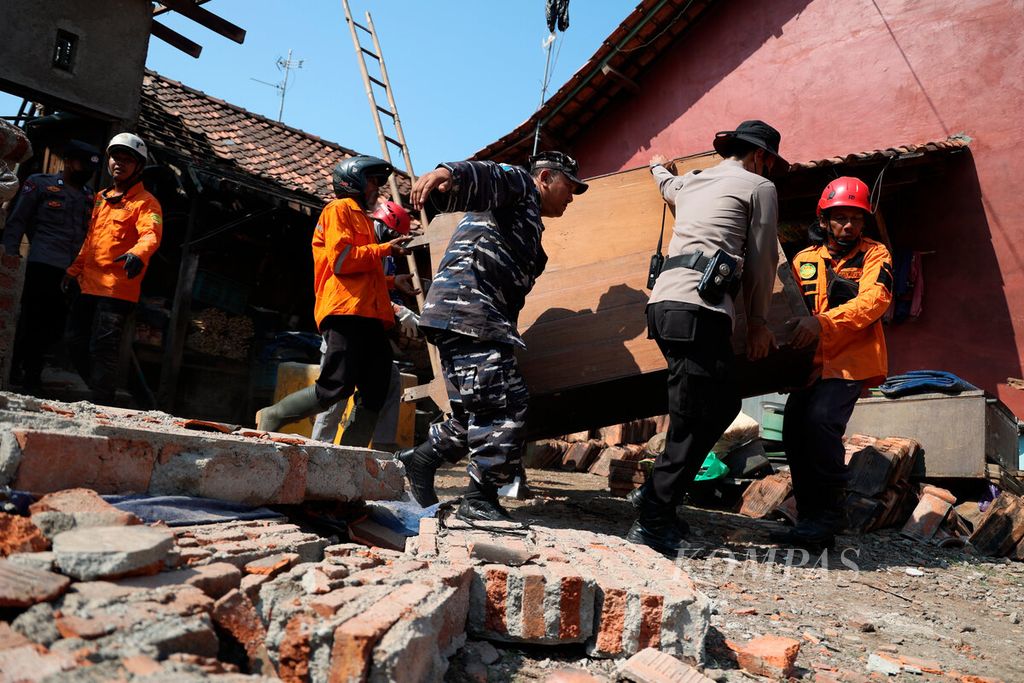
x=132, y=224
x=348, y=276
x=852, y=344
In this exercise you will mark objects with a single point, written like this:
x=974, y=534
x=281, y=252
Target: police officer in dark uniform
x=471, y=313
x=53, y=211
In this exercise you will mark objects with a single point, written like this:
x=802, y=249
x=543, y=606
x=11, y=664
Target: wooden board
x=584, y=321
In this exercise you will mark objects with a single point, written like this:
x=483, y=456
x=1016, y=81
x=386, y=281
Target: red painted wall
x=838, y=77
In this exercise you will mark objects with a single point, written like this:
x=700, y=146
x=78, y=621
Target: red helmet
x=845, y=191
x=393, y=216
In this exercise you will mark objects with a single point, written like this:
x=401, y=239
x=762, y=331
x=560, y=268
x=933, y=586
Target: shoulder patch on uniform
x=28, y=186
x=156, y=218
x=808, y=271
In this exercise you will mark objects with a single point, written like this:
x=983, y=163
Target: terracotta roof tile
x=216, y=135
x=951, y=143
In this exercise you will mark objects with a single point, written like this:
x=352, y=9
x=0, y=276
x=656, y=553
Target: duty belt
x=693, y=260
x=696, y=260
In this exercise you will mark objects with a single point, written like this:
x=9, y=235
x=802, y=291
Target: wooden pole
x=177, y=329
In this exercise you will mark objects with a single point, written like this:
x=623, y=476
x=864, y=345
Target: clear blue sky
x=464, y=72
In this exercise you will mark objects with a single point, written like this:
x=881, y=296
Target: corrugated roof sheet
x=217, y=135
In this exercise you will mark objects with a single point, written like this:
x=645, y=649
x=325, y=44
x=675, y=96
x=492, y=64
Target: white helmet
x=132, y=143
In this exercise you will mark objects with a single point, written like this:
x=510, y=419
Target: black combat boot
x=636, y=497
x=817, y=531
x=658, y=527
x=480, y=504
x=421, y=464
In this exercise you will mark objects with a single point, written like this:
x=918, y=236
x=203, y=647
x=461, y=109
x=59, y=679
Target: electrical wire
x=668, y=25
x=876, y=191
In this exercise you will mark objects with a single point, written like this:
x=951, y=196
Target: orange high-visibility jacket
x=132, y=222
x=852, y=344
x=348, y=276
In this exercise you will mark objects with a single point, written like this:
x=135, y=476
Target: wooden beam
x=159, y=9
x=206, y=18
x=175, y=39
x=181, y=310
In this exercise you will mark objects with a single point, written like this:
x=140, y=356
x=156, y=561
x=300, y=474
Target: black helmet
x=349, y=176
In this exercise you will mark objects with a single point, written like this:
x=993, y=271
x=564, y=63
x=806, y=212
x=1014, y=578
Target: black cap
x=559, y=161
x=76, y=149
x=757, y=133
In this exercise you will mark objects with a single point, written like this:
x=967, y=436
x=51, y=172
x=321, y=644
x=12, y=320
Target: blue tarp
x=186, y=510
x=923, y=382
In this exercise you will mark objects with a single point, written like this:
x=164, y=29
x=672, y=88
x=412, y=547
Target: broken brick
x=19, y=535
x=651, y=666
x=235, y=613
x=24, y=586
x=771, y=656
x=764, y=495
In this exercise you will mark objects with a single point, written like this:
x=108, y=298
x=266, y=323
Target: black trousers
x=702, y=395
x=812, y=434
x=97, y=326
x=358, y=356
x=41, y=322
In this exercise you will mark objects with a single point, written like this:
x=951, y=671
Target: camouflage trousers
x=489, y=399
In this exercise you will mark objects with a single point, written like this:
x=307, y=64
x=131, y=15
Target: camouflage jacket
x=494, y=256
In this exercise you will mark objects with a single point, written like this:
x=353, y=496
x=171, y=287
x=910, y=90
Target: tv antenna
x=286, y=64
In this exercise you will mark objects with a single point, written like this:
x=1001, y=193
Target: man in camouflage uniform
x=471, y=313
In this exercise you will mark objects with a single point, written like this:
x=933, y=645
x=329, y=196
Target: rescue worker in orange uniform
x=352, y=309
x=847, y=285
x=124, y=233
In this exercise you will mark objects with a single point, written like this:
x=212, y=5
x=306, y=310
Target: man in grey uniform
x=726, y=224
x=471, y=313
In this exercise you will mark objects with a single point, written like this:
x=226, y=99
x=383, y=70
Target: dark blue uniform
x=55, y=217
x=472, y=310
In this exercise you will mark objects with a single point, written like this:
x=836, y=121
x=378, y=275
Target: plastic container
x=771, y=421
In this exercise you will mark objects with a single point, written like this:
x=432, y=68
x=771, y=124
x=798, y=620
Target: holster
x=720, y=274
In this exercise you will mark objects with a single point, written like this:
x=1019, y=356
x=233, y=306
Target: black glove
x=133, y=265
x=70, y=288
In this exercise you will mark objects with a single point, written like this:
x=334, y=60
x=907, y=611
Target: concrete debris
x=76, y=508
x=124, y=451
x=111, y=552
x=651, y=666
x=881, y=663
x=616, y=597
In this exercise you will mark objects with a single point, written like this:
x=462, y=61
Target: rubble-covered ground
x=878, y=603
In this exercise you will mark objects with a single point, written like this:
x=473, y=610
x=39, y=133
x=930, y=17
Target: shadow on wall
x=572, y=354
x=636, y=120
x=573, y=345
x=965, y=326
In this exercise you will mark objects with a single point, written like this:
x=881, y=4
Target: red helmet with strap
x=845, y=191
x=393, y=216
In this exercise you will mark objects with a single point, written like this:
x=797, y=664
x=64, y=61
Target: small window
x=64, y=50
